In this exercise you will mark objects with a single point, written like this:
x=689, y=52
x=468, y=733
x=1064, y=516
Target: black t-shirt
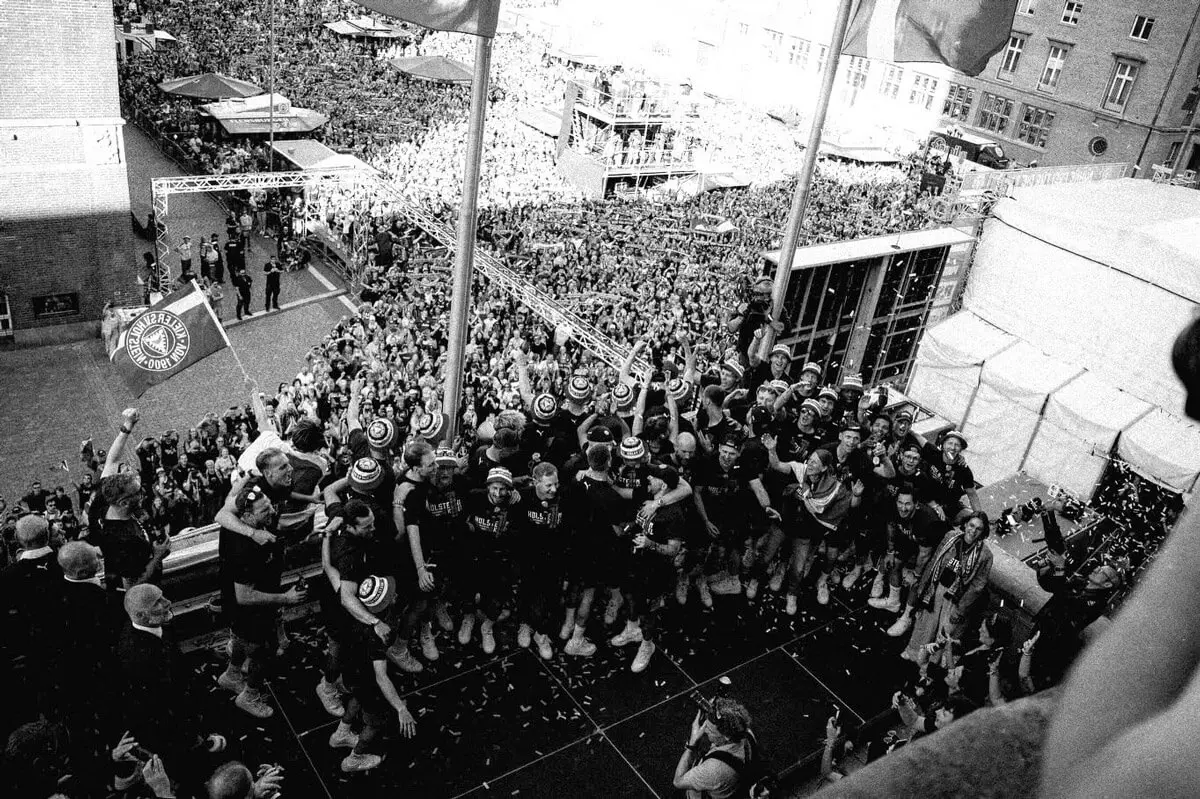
x=126, y=547
x=363, y=649
x=490, y=525
x=922, y=529
x=480, y=463
x=594, y=506
x=357, y=557
x=541, y=529
x=36, y=500
x=762, y=374
x=361, y=448
x=636, y=478
x=259, y=566
x=856, y=465
x=950, y=481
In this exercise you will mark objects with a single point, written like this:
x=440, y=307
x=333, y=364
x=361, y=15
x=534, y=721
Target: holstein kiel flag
x=174, y=333
x=961, y=33
x=460, y=16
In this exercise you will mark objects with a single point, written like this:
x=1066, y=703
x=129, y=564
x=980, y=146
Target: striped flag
x=961, y=33
x=478, y=17
x=168, y=337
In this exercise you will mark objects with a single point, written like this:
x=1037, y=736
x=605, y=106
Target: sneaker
x=398, y=653
x=343, y=738
x=252, y=702
x=429, y=648
x=630, y=635
x=331, y=698
x=728, y=587
x=468, y=627
x=568, y=627
x=705, y=595
x=443, y=619
x=790, y=608
x=877, y=585
x=751, y=589
x=823, y=591
x=232, y=680
x=614, y=605
x=852, y=577
x=580, y=647
x=486, y=638
x=901, y=626
x=524, y=636
x=777, y=574
x=504, y=614
x=642, y=660
x=681, y=591
x=906, y=655
x=890, y=603
x=543, y=646
x=357, y=762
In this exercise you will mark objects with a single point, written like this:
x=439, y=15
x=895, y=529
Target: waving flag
x=171, y=335
x=478, y=17
x=961, y=33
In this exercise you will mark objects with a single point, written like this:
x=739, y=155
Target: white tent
x=1013, y=387
x=1163, y=448
x=949, y=361
x=1081, y=423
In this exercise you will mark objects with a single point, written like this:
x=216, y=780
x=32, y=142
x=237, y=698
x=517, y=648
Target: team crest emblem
x=158, y=341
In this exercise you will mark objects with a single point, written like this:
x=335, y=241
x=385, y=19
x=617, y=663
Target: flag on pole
x=168, y=337
x=961, y=33
x=478, y=17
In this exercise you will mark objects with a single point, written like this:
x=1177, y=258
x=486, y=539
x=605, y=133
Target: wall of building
x=64, y=197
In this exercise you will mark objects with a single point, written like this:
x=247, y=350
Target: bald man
x=234, y=781
x=89, y=626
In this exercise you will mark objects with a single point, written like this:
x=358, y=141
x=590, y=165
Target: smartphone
x=143, y=755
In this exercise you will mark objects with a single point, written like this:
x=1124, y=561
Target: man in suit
x=28, y=588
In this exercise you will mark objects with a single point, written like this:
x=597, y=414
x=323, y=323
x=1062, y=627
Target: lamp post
x=271, y=97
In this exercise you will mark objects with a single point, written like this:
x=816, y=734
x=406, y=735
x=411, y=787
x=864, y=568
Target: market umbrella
x=435, y=68
x=210, y=85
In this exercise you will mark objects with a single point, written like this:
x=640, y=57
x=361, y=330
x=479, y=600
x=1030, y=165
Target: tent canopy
x=210, y=86
x=366, y=28
x=950, y=360
x=253, y=116
x=434, y=68
x=312, y=154
x=1163, y=448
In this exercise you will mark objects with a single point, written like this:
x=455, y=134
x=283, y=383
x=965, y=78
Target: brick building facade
x=65, y=234
x=1085, y=81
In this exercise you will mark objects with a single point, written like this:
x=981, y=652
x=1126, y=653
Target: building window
x=1054, y=65
x=958, y=102
x=1176, y=146
x=1098, y=146
x=890, y=85
x=1012, y=55
x=857, y=71
x=1071, y=12
x=923, y=90
x=50, y=306
x=704, y=53
x=798, y=52
x=1141, y=28
x=994, y=113
x=743, y=29
x=1120, y=85
x=773, y=41
x=1026, y=7
x=821, y=58
x=1035, y=125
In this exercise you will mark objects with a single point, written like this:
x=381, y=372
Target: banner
x=963, y=34
x=478, y=17
x=171, y=335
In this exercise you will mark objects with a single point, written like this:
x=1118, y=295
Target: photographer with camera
x=720, y=759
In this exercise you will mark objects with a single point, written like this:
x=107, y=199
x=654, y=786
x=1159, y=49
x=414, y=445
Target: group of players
x=714, y=483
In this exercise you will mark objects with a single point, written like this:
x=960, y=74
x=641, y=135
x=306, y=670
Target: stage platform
x=511, y=724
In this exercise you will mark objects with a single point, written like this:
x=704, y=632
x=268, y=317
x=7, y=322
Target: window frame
x=1113, y=76
x=954, y=102
x=1051, y=87
x=1026, y=8
x=1045, y=123
x=1073, y=8
x=1021, y=39
x=986, y=110
x=893, y=79
x=1147, y=24
x=926, y=86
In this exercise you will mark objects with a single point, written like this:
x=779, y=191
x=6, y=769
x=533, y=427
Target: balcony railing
x=1000, y=181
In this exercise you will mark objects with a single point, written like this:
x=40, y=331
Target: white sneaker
x=614, y=605
x=428, y=646
x=632, y=634
x=398, y=653
x=705, y=596
x=254, y=703
x=642, y=659
x=232, y=680
x=468, y=627
x=852, y=577
x=580, y=647
x=790, y=608
x=486, y=638
x=564, y=632
x=331, y=698
x=681, y=590
x=363, y=762
x=543, y=646
x=890, y=603
x=727, y=587
x=777, y=574
x=524, y=636
x=901, y=626
x=877, y=585
x=823, y=591
x=343, y=738
x=751, y=589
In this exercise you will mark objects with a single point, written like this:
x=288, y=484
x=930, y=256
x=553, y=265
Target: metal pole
x=271, y=93
x=791, y=236
x=464, y=261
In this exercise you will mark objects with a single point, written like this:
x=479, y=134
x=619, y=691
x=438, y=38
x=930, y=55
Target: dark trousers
x=272, y=296
x=243, y=302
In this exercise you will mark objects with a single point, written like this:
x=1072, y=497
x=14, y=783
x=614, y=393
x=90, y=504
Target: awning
x=312, y=154
x=210, y=86
x=252, y=116
x=585, y=59
x=949, y=362
x=863, y=155
x=434, y=68
x=366, y=28
x=542, y=120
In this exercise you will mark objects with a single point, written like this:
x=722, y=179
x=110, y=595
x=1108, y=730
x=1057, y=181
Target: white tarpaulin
x=1163, y=448
x=949, y=361
x=1003, y=417
x=1079, y=426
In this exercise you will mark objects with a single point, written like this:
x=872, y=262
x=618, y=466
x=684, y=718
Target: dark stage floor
x=511, y=724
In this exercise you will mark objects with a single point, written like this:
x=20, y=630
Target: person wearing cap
x=902, y=435
x=952, y=477
x=551, y=436
x=378, y=440
x=724, y=504
x=491, y=546
x=374, y=699
x=251, y=596
x=541, y=538
x=775, y=367
x=443, y=525
x=712, y=423
x=657, y=540
x=850, y=391
x=504, y=452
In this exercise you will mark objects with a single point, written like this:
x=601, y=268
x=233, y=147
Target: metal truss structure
x=368, y=184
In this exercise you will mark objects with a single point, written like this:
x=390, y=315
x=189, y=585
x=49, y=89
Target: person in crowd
x=913, y=531
x=233, y=780
x=540, y=533
x=272, y=269
x=241, y=280
x=491, y=543
x=716, y=752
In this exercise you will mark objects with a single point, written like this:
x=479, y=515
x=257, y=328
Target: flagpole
x=464, y=261
x=791, y=236
x=208, y=307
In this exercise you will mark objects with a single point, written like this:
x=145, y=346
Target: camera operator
x=705, y=768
